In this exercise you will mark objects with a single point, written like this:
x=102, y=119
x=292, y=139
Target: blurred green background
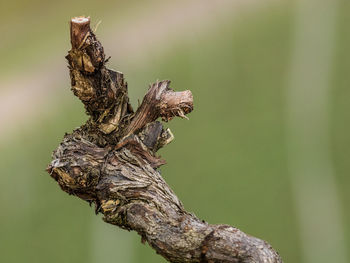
x=266, y=148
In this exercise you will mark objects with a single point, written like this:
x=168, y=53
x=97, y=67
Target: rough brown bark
x=111, y=161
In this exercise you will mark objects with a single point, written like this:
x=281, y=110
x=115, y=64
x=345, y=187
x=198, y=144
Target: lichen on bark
x=111, y=162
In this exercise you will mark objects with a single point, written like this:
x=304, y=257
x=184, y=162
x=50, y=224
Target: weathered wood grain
x=111, y=162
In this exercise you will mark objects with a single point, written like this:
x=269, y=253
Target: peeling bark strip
x=111, y=161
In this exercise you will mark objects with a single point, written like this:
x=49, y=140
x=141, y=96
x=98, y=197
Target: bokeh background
x=266, y=148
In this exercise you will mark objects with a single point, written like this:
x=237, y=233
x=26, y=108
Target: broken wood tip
x=79, y=27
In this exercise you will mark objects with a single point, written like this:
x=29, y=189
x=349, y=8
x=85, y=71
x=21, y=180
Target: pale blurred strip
x=309, y=155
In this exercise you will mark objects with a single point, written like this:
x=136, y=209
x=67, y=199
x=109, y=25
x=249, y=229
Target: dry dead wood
x=111, y=162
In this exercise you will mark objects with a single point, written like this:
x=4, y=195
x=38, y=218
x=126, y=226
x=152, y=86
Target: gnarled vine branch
x=111, y=161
